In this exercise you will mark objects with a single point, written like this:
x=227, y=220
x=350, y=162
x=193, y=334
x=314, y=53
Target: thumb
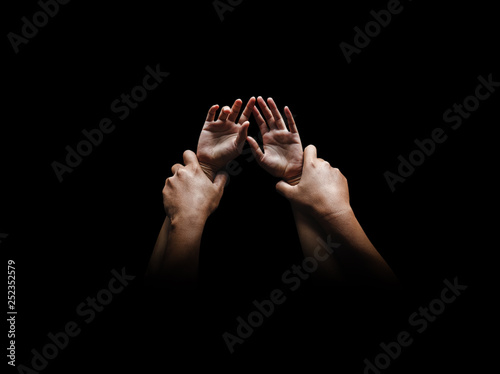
x=285, y=189
x=220, y=180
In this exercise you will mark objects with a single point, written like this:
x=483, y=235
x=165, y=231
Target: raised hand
x=222, y=140
x=283, y=154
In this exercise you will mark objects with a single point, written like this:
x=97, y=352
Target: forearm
x=356, y=252
x=311, y=236
x=175, y=259
x=154, y=267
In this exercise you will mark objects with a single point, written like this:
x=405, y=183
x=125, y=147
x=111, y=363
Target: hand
x=189, y=194
x=222, y=140
x=322, y=190
x=282, y=156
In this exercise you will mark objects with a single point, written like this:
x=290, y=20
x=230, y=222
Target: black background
x=67, y=237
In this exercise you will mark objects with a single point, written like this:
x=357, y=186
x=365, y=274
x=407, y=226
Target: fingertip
x=310, y=151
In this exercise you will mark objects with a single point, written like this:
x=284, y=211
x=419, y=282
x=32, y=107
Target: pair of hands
x=309, y=182
x=222, y=140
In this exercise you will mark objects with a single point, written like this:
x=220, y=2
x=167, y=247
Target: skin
x=323, y=195
x=282, y=155
x=283, y=158
x=318, y=194
x=189, y=198
x=222, y=139
x=193, y=193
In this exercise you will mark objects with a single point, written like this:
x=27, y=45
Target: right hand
x=283, y=154
x=322, y=190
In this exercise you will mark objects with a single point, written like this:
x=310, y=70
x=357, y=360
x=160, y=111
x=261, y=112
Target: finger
x=268, y=115
x=291, y=121
x=285, y=189
x=310, y=153
x=235, y=110
x=280, y=124
x=220, y=180
x=176, y=167
x=224, y=113
x=242, y=135
x=211, y=113
x=260, y=121
x=255, y=148
x=190, y=158
x=247, y=112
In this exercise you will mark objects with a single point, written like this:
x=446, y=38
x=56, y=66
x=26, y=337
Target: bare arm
x=189, y=198
x=283, y=158
x=310, y=235
x=324, y=195
x=159, y=250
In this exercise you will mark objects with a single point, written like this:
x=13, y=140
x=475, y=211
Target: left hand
x=222, y=140
x=188, y=194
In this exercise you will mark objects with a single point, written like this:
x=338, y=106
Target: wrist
x=194, y=220
x=209, y=170
x=338, y=220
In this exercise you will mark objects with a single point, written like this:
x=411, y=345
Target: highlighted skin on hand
x=322, y=191
x=282, y=155
x=222, y=140
x=189, y=194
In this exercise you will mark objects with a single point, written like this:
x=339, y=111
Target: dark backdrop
x=66, y=237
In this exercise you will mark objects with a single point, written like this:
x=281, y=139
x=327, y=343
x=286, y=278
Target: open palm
x=222, y=140
x=283, y=153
